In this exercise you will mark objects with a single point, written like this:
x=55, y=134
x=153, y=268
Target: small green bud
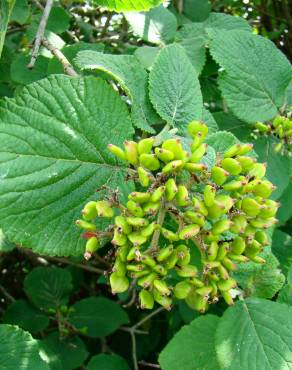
x=239, y=223
x=148, y=261
x=195, y=167
x=263, y=188
x=219, y=175
x=157, y=194
x=196, y=127
x=212, y=251
x=139, y=197
x=189, y=231
x=204, y=291
x=119, y=238
x=145, y=145
x=122, y=252
x=170, y=235
x=182, y=196
x=117, y=151
x=198, y=154
x=135, y=268
x=196, y=282
x=183, y=255
x=137, y=221
x=123, y=225
x=85, y=225
x=228, y=264
x=151, y=208
x=277, y=121
x=195, y=218
x=187, y=271
x=143, y=175
x=234, y=185
x=164, y=155
x=162, y=287
x=246, y=163
x=89, y=211
x=104, y=209
x=222, y=251
x=231, y=165
x=238, y=245
x=250, y=206
x=91, y=246
x=147, y=281
x=170, y=189
x=182, y=289
x=160, y=270
x=197, y=302
x=146, y=300
x=262, y=127
x=119, y=284
x=173, y=166
x=258, y=170
x=131, y=149
x=232, y=151
x=137, y=238
x=198, y=140
x=171, y=261
x=222, y=271
x=245, y=148
x=148, y=230
x=162, y=300
x=221, y=226
x=227, y=298
x=119, y=267
x=133, y=254
x=174, y=146
x=149, y=161
x=209, y=195
x=199, y=206
x=135, y=208
x=262, y=237
x=164, y=253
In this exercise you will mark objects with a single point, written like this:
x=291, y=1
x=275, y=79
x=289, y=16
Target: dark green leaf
x=48, y=287
x=282, y=249
x=107, y=362
x=97, y=317
x=22, y=75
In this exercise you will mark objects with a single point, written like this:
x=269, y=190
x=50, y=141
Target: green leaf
x=127, y=5
x=107, y=362
x=5, y=244
x=284, y=212
x=158, y=26
x=256, y=74
x=71, y=351
x=221, y=140
x=174, y=88
x=208, y=118
x=215, y=22
x=48, y=287
x=196, y=51
x=196, y=11
x=262, y=281
x=70, y=52
x=23, y=314
x=49, y=356
x=278, y=166
x=22, y=75
x=285, y=295
x=20, y=12
x=192, y=347
x=59, y=20
x=18, y=350
x=53, y=157
x=131, y=76
x=97, y=317
x=282, y=249
x=146, y=55
x=6, y=7
x=255, y=334
x=226, y=121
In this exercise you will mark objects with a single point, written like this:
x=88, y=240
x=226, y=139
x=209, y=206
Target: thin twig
x=40, y=33
x=144, y=363
x=156, y=234
x=6, y=294
x=68, y=69
x=107, y=23
x=79, y=265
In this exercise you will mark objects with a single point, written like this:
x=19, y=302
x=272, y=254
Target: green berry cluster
x=280, y=127
x=223, y=211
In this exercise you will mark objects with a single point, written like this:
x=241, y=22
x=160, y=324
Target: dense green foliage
x=185, y=220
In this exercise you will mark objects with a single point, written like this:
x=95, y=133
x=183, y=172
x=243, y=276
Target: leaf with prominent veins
x=53, y=157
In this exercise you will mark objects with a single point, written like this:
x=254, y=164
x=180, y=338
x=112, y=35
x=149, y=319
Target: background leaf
x=282, y=248
x=15, y=341
x=192, y=347
x=157, y=26
x=127, y=5
x=74, y=119
x=99, y=316
x=107, y=362
x=174, y=88
x=255, y=334
x=48, y=287
x=256, y=74
x=133, y=79
x=6, y=7
x=23, y=314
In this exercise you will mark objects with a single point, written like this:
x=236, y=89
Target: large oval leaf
x=18, y=350
x=255, y=334
x=53, y=157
